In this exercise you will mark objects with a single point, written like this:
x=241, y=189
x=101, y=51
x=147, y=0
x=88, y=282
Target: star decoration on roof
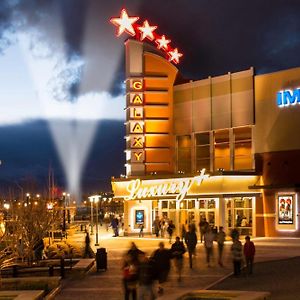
x=147, y=31
x=125, y=23
x=162, y=43
x=174, y=55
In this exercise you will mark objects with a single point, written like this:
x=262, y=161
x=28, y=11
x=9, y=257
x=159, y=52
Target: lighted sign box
x=288, y=97
x=285, y=209
x=139, y=217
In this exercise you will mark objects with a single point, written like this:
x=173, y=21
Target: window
x=242, y=148
x=221, y=150
x=184, y=154
x=202, y=151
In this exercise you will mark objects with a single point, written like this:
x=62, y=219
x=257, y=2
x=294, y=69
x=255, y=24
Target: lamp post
x=92, y=216
x=96, y=199
x=64, y=213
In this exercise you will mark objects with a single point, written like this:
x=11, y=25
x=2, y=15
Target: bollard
x=51, y=270
x=15, y=271
x=62, y=267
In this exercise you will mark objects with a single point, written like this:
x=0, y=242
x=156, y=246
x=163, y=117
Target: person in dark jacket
x=88, y=252
x=203, y=225
x=191, y=242
x=134, y=252
x=177, y=251
x=161, y=260
x=170, y=229
x=249, y=252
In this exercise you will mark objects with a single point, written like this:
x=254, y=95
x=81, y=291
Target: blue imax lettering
x=288, y=97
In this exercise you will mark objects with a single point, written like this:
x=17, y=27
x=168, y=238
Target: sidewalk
x=108, y=285
x=281, y=278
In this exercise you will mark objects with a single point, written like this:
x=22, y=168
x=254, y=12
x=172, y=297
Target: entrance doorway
x=239, y=214
x=207, y=211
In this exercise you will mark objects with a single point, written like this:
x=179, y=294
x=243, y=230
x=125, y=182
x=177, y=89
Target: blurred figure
x=141, y=233
x=134, y=253
x=145, y=278
x=115, y=226
x=208, y=243
x=249, y=252
x=177, y=251
x=130, y=278
x=191, y=243
x=237, y=255
x=221, y=236
x=88, y=252
x=161, y=260
x=162, y=225
x=203, y=225
x=156, y=226
x=171, y=228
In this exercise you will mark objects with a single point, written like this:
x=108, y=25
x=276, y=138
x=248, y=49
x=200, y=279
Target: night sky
x=215, y=37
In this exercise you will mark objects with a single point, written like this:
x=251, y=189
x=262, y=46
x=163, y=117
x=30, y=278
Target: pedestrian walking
x=115, y=226
x=134, y=253
x=156, y=226
x=170, y=229
x=162, y=225
x=141, y=233
x=237, y=255
x=130, y=277
x=145, y=278
x=191, y=243
x=209, y=237
x=249, y=252
x=221, y=236
x=203, y=225
x=177, y=251
x=161, y=261
x=88, y=252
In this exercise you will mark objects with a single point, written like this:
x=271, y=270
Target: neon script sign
x=145, y=31
x=288, y=97
x=175, y=186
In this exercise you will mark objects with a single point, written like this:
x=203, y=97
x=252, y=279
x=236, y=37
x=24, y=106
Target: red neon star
x=162, y=42
x=147, y=31
x=125, y=23
x=174, y=55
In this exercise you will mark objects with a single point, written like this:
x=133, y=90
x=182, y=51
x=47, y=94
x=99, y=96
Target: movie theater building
x=225, y=148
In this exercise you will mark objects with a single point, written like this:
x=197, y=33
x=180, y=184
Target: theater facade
x=224, y=148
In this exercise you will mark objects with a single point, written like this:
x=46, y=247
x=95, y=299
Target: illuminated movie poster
x=285, y=209
x=139, y=216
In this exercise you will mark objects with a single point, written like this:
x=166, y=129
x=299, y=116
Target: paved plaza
x=108, y=285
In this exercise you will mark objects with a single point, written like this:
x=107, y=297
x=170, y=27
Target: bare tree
x=32, y=221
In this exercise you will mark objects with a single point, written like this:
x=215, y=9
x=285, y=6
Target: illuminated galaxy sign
x=145, y=31
x=288, y=97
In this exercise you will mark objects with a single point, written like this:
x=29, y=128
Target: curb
x=218, y=281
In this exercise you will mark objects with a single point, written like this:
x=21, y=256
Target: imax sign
x=288, y=97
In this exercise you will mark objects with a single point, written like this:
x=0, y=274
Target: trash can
x=101, y=259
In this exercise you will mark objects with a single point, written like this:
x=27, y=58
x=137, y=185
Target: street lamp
x=95, y=199
x=64, y=213
x=27, y=198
